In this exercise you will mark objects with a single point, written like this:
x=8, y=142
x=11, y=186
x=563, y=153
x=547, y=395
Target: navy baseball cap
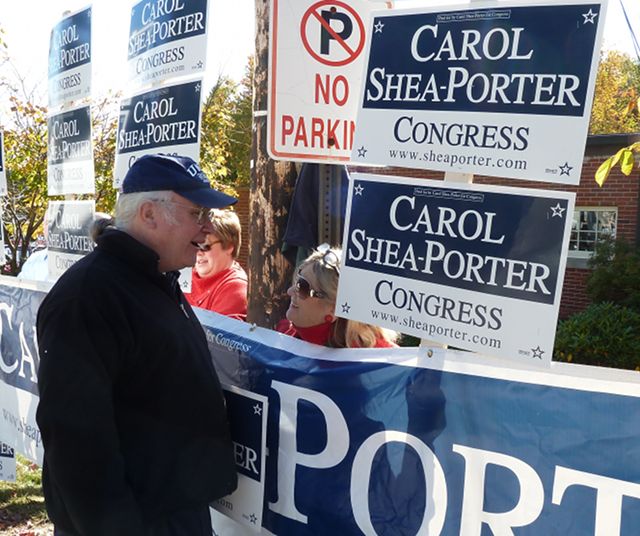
x=180, y=174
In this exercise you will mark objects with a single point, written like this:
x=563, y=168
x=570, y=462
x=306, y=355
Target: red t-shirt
x=224, y=292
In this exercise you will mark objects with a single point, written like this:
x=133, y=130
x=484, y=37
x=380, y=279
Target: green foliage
x=25, y=147
x=240, y=136
x=225, y=148
x=625, y=157
x=616, y=274
x=104, y=123
x=26, y=161
x=26, y=164
x=216, y=124
x=615, y=108
x=605, y=334
x=22, y=500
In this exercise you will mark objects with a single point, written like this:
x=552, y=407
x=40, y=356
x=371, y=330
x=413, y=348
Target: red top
x=224, y=292
x=319, y=334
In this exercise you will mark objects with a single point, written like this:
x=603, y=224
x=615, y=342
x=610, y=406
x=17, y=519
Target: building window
x=590, y=225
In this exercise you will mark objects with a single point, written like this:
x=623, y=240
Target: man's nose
x=207, y=226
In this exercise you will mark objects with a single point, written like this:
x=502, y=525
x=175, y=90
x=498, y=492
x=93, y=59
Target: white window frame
x=577, y=254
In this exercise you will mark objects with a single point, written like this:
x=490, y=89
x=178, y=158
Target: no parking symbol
x=332, y=32
x=315, y=68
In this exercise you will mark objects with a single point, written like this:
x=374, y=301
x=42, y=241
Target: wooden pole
x=269, y=200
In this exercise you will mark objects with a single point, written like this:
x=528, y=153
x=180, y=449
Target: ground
x=22, y=511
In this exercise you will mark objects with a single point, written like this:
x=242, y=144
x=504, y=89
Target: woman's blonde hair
x=325, y=264
x=226, y=226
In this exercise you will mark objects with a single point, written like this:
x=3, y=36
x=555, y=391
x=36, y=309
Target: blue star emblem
x=362, y=151
x=589, y=17
x=537, y=352
x=253, y=518
x=257, y=409
x=377, y=27
x=565, y=169
x=358, y=190
x=557, y=211
x=346, y=307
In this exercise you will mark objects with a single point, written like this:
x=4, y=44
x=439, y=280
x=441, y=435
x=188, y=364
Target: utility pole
x=272, y=186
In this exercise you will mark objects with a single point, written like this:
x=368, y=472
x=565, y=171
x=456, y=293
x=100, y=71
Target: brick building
x=614, y=208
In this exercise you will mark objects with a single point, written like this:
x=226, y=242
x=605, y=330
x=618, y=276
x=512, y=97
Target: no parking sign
x=316, y=50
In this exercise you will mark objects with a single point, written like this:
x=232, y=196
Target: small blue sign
x=70, y=43
x=163, y=117
x=69, y=136
x=524, y=60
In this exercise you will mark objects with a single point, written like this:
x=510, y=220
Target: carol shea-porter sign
x=476, y=267
x=500, y=89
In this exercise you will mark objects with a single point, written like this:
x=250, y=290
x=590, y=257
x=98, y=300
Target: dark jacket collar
x=128, y=250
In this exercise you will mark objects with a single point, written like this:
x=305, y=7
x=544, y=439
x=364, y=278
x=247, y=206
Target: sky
x=231, y=37
x=27, y=25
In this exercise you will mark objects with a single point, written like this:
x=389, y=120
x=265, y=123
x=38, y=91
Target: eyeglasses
x=329, y=257
x=207, y=247
x=201, y=215
x=303, y=289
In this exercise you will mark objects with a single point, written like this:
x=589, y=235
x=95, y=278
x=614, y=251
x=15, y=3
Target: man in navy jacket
x=131, y=411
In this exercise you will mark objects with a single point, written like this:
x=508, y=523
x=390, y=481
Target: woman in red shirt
x=218, y=282
x=311, y=314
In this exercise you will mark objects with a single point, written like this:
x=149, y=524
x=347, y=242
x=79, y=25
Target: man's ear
x=148, y=214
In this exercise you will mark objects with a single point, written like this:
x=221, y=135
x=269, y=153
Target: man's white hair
x=128, y=204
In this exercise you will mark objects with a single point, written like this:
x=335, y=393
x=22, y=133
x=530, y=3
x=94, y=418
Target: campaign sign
x=477, y=267
x=317, y=58
x=3, y=171
x=70, y=153
x=248, y=421
x=167, y=39
x=68, y=240
x=19, y=363
x=185, y=279
x=492, y=88
x=7, y=463
x=165, y=120
x=390, y=441
x=70, y=59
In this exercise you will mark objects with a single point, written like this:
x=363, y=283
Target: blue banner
x=19, y=358
x=394, y=442
x=399, y=441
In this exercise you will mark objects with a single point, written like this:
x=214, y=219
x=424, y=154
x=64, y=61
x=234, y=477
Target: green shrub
x=604, y=334
x=616, y=274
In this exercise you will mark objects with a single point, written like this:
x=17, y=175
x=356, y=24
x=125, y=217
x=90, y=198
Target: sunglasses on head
x=303, y=289
x=329, y=257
